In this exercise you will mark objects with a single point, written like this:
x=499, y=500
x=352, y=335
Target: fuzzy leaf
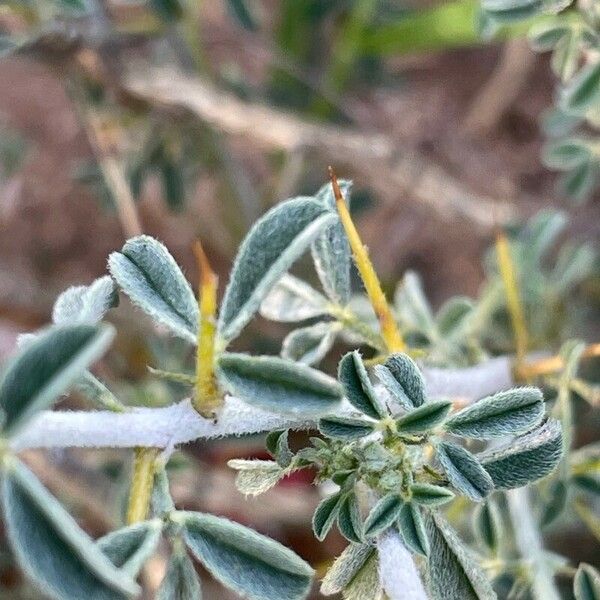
x=354, y=378
x=348, y=518
x=325, y=515
x=383, y=514
x=269, y=250
x=464, y=471
x=291, y=300
x=583, y=91
x=248, y=563
x=85, y=304
x=453, y=313
x=365, y=585
x=345, y=428
x=505, y=413
x=507, y=11
x=557, y=502
x=403, y=379
x=152, y=279
x=345, y=568
x=586, y=585
x=487, y=525
x=453, y=574
x=309, y=345
x=256, y=476
x=425, y=418
x=412, y=306
x=331, y=250
x=51, y=548
x=130, y=547
x=567, y=154
x=277, y=444
x=430, y=495
x=525, y=459
x=278, y=385
x=411, y=526
x=46, y=367
x=181, y=580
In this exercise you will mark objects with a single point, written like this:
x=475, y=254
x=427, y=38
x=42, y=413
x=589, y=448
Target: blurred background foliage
x=187, y=119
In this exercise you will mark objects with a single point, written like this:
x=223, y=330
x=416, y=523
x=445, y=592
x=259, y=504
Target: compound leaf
x=51, y=548
x=130, y=547
x=85, y=304
x=331, y=250
x=424, y=418
x=181, y=580
x=412, y=527
x=248, y=563
x=505, y=413
x=46, y=367
x=325, y=515
x=269, y=250
x=279, y=385
x=291, y=300
x=345, y=568
x=464, y=471
x=430, y=495
x=358, y=389
x=525, y=459
x=453, y=574
x=403, y=379
x=348, y=518
x=152, y=279
x=345, y=428
x=383, y=514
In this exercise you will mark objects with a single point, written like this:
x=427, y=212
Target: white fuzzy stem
x=530, y=545
x=397, y=571
x=180, y=423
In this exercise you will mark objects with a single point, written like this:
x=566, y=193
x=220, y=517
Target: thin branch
x=375, y=157
x=179, y=423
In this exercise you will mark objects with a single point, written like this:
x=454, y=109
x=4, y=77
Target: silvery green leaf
x=567, y=153
x=573, y=265
x=130, y=547
x=47, y=367
x=403, y=380
x=345, y=428
x=365, y=585
x=309, y=345
x=541, y=233
x=453, y=573
x=256, y=476
x=586, y=585
x=587, y=483
x=411, y=526
x=325, y=515
x=464, y=472
x=348, y=518
x=358, y=388
x=277, y=444
x=525, y=459
x=579, y=182
x=425, y=418
x=508, y=11
x=85, y=304
x=50, y=547
x=556, y=502
x=93, y=389
x=487, y=525
x=152, y=279
x=278, y=385
x=566, y=56
x=248, y=563
x=383, y=514
x=331, y=250
x=505, y=413
x=412, y=306
x=269, y=250
x=291, y=299
x=453, y=314
x=430, y=495
x=583, y=91
x=544, y=35
x=181, y=580
x=345, y=567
